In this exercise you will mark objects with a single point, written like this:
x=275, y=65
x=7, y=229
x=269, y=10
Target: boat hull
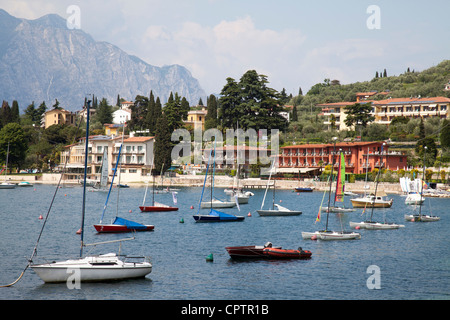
x=218, y=204
x=357, y=203
x=421, y=218
x=91, y=269
x=114, y=228
x=269, y=213
x=278, y=253
x=211, y=218
x=304, y=189
x=338, y=209
x=370, y=225
x=157, y=209
x=331, y=235
x=6, y=185
x=246, y=252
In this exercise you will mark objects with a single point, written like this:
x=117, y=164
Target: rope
x=43, y=225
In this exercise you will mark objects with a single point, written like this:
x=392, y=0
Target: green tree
x=15, y=115
x=176, y=110
x=139, y=112
x=230, y=101
x=104, y=112
x=163, y=145
x=359, y=115
x=13, y=134
x=294, y=114
x=211, y=120
x=445, y=135
x=5, y=114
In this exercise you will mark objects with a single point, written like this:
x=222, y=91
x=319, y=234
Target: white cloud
x=227, y=49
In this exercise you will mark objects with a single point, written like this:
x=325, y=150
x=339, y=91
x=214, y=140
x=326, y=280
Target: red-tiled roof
x=138, y=139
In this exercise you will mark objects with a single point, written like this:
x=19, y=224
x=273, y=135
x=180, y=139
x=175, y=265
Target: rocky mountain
x=43, y=60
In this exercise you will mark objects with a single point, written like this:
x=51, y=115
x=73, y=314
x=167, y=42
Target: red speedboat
x=122, y=225
x=278, y=253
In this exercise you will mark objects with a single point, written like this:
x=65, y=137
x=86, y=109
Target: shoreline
x=224, y=182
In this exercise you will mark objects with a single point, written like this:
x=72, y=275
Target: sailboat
x=412, y=191
x=5, y=184
x=156, y=206
x=329, y=234
x=421, y=217
x=214, y=202
x=374, y=225
x=237, y=192
x=105, y=267
x=213, y=215
x=372, y=198
x=119, y=224
x=276, y=210
x=340, y=186
x=102, y=185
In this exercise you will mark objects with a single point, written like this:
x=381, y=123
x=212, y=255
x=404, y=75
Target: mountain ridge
x=43, y=60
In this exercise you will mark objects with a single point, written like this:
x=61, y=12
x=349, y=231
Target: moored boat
x=248, y=252
x=122, y=225
x=279, y=253
x=92, y=269
x=157, y=207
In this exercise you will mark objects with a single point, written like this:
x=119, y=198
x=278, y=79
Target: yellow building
x=196, y=118
x=58, y=116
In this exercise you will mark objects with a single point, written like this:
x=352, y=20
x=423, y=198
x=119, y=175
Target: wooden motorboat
x=279, y=253
x=248, y=252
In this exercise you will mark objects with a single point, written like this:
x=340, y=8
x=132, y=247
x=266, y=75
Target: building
x=112, y=129
x=121, y=116
x=386, y=110
x=310, y=157
x=196, y=118
x=126, y=105
x=58, y=116
x=136, y=157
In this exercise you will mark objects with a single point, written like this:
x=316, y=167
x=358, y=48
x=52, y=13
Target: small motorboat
x=122, y=225
x=249, y=252
x=24, y=184
x=279, y=253
x=304, y=189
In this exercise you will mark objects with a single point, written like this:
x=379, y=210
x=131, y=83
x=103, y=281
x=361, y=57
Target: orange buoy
x=130, y=211
x=357, y=227
x=249, y=214
x=314, y=237
x=79, y=231
x=192, y=207
x=40, y=217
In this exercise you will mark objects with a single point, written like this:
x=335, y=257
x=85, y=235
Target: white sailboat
x=420, y=217
x=105, y=267
x=214, y=202
x=329, y=234
x=370, y=224
x=5, y=184
x=102, y=185
x=412, y=191
x=276, y=210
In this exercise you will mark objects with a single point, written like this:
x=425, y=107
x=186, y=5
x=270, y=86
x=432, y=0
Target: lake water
x=413, y=262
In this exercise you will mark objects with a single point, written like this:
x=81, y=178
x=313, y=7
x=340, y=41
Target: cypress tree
x=163, y=145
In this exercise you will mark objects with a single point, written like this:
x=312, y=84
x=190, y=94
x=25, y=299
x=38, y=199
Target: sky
x=295, y=43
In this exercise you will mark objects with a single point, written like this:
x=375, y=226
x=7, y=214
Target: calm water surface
x=414, y=261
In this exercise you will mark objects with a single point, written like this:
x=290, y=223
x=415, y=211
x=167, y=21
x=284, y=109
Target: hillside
x=426, y=83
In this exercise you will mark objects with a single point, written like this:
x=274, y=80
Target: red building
x=356, y=154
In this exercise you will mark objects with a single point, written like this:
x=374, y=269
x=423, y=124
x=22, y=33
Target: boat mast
x=423, y=181
x=331, y=181
x=85, y=174
x=376, y=184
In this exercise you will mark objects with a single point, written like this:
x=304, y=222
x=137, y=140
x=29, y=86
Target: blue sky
x=295, y=43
